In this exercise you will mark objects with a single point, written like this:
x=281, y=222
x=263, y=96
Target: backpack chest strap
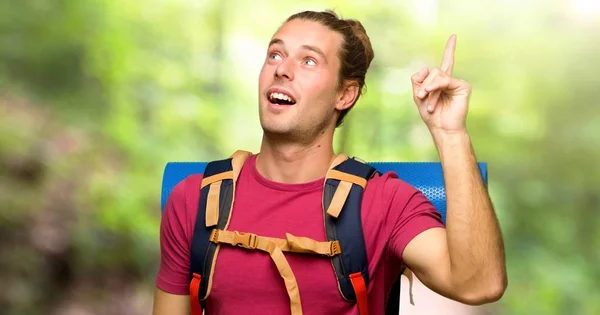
x=291, y=243
x=275, y=247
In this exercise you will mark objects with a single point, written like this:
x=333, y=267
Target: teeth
x=280, y=96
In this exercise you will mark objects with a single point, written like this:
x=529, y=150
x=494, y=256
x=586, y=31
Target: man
x=313, y=74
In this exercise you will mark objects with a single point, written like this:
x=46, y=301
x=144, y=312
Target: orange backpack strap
x=271, y=246
x=345, y=183
x=275, y=247
x=217, y=193
x=291, y=243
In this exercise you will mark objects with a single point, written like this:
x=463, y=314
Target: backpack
x=345, y=182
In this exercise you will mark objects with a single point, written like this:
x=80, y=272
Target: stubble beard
x=303, y=133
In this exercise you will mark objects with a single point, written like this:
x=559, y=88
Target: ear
x=347, y=96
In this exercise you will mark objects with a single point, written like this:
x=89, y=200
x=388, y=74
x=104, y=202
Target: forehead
x=297, y=33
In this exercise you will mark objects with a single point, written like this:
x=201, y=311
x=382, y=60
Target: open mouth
x=281, y=99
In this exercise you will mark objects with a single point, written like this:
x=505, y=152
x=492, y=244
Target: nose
x=285, y=69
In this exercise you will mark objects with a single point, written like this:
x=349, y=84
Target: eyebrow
x=307, y=47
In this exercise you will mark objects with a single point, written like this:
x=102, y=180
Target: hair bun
x=360, y=32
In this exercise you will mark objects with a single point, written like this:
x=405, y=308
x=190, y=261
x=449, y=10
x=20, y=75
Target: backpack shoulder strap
x=342, y=199
x=217, y=192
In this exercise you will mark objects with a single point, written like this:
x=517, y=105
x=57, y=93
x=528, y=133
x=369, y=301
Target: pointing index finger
x=448, y=59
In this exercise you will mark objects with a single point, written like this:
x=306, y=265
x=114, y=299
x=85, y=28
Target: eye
x=310, y=62
x=274, y=56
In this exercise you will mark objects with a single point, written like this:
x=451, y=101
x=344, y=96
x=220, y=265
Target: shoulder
x=397, y=200
x=176, y=230
x=389, y=186
x=181, y=207
x=186, y=189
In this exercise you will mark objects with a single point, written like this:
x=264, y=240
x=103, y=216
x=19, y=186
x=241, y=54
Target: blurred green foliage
x=96, y=96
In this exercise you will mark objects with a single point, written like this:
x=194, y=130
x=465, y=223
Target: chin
x=275, y=128
x=280, y=130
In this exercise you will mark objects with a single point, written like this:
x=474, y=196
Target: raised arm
x=465, y=261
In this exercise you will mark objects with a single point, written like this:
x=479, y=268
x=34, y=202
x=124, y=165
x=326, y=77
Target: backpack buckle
x=214, y=236
x=245, y=240
x=359, y=160
x=335, y=248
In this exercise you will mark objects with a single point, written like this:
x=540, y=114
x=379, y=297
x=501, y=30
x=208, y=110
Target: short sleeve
x=173, y=271
x=413, y=214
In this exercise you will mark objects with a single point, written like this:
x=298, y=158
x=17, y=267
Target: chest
x=273, y=214
x=251, y=275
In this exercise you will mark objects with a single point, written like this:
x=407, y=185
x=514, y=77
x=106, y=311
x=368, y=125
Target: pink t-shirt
x=247, y=281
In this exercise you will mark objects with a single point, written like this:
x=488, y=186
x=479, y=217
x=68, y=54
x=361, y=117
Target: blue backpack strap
x=217, y=190
x=345, y=224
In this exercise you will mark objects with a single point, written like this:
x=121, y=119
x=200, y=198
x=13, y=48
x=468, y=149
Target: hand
x=441, y=99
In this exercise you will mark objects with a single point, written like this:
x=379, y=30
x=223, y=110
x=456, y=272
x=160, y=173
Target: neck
x=294, y=162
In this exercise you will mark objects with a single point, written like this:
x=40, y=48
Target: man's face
x=299, y=79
